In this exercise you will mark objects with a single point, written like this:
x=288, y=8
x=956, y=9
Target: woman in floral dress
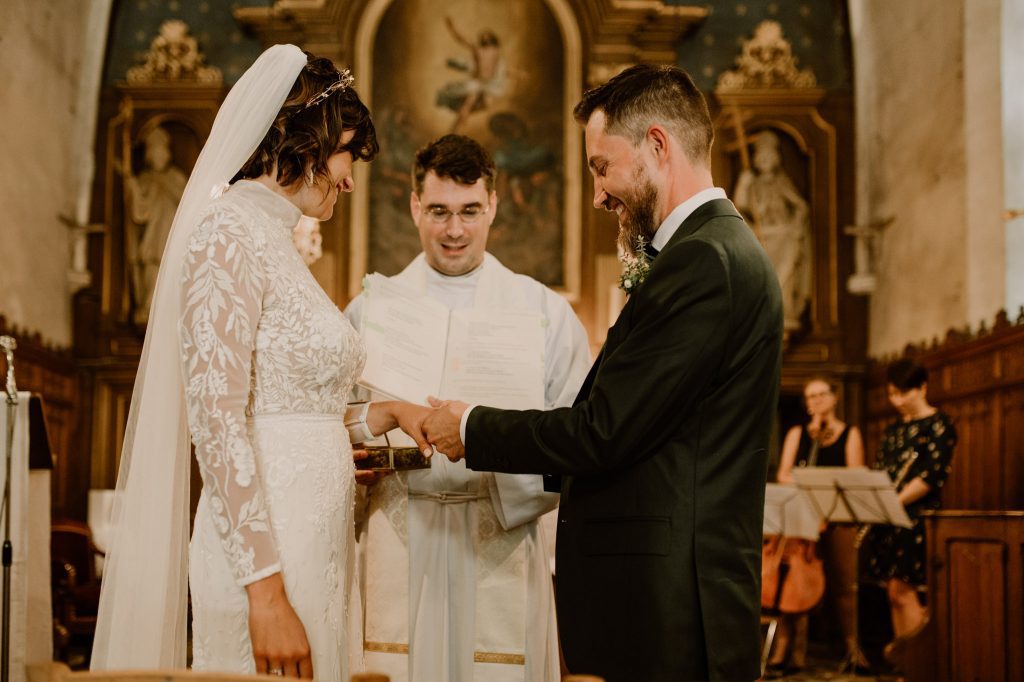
x=916, y=451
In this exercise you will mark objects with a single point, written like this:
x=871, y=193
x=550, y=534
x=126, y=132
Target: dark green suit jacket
x=664, y=460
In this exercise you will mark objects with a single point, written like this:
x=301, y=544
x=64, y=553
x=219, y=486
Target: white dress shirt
x=681, y=212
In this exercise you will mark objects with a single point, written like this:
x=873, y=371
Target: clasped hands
x=434, y=428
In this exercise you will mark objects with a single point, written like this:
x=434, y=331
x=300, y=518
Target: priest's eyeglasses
x=468, y=215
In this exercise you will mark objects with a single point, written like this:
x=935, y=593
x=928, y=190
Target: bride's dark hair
x=309, y=128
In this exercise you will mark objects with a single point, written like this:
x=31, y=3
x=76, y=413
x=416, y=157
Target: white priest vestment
x=455, y=572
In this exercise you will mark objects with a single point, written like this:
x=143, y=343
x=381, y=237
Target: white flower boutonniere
x=634, y=267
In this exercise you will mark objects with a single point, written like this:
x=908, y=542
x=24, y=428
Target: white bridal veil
x=142, y=613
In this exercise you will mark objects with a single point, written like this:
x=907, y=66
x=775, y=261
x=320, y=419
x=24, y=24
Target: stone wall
x=1013, y=148
x=930, y=159
x=46, y=131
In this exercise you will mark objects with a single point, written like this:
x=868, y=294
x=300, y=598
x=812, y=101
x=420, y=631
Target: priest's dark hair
x=646, y=95
x=454, y=157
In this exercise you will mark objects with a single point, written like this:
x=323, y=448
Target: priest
x=456, y=573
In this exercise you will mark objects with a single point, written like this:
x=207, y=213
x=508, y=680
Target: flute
x=900, y=475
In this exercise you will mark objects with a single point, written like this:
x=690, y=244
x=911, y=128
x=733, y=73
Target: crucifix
x=863, y=280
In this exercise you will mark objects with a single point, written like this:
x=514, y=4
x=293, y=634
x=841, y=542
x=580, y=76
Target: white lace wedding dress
x=269, y=362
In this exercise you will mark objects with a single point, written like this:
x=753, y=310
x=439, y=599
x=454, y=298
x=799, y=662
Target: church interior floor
x=823, y=662
x=820, y=672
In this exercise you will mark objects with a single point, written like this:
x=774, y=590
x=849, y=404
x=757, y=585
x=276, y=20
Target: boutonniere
x=634, y=267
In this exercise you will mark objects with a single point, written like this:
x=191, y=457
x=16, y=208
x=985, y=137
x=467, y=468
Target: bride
x=246, y=350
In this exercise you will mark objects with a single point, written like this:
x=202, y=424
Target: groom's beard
x=641, y=205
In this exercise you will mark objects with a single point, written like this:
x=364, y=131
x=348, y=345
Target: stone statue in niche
x=152, y=199
x=780, y=216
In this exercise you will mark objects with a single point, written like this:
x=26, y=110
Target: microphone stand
x=7, y=344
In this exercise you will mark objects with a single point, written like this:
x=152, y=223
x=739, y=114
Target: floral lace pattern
x=305, y=463
x=258, y=336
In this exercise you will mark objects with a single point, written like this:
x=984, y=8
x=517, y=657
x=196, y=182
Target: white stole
x=501, y=557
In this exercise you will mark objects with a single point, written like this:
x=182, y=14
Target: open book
x=416, y=347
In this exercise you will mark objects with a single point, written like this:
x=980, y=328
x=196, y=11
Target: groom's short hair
x=457, y=157
x=645, y=95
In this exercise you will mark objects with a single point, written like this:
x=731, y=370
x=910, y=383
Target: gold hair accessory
x=345, y=80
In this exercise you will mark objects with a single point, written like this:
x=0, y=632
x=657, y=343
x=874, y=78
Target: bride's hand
x=279, y=644
x=410, y=419
x=385, y=415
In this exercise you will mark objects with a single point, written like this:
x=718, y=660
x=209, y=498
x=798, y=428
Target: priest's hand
x=441, y=427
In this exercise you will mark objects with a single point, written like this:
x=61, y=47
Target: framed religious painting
x=504, y=72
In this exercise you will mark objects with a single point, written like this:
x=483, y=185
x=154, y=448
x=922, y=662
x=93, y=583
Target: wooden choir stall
x=975, y=544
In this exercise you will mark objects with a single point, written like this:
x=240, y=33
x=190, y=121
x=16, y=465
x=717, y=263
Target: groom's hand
x=441, y=427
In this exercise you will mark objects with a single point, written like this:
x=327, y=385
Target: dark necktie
x=650, y=251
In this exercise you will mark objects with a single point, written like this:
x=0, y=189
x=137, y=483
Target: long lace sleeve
x=222, y=291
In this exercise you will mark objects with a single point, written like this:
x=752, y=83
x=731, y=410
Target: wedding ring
x=276, y=671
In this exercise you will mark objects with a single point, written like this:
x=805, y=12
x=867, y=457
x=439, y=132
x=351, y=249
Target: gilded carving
x=174, y=57
x=767, y=61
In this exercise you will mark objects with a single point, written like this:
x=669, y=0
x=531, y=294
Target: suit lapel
x=618, y=331
x=615, y=334
x=705, y=212
x=584, y=391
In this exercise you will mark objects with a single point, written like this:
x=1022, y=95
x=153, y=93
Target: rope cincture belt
x=444, y=497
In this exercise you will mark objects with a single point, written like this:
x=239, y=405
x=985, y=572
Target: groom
x=664, y=453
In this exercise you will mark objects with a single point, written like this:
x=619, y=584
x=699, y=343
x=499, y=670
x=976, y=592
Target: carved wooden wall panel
x=111, y=398
x=977, y=568
x=979, y=381
x=976, y=598
x=973, y=418
x=1012, y=438
x=50, y=372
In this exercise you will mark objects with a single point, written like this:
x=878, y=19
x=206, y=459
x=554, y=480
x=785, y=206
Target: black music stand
x=852, y=495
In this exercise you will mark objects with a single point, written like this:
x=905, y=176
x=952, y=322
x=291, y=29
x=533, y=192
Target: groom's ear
x=658, y=140
x=414, y=207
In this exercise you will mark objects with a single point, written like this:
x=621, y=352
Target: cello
x=792, y=573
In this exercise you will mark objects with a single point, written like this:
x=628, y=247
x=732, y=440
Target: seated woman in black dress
x=916, y=451
x=829, y=442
